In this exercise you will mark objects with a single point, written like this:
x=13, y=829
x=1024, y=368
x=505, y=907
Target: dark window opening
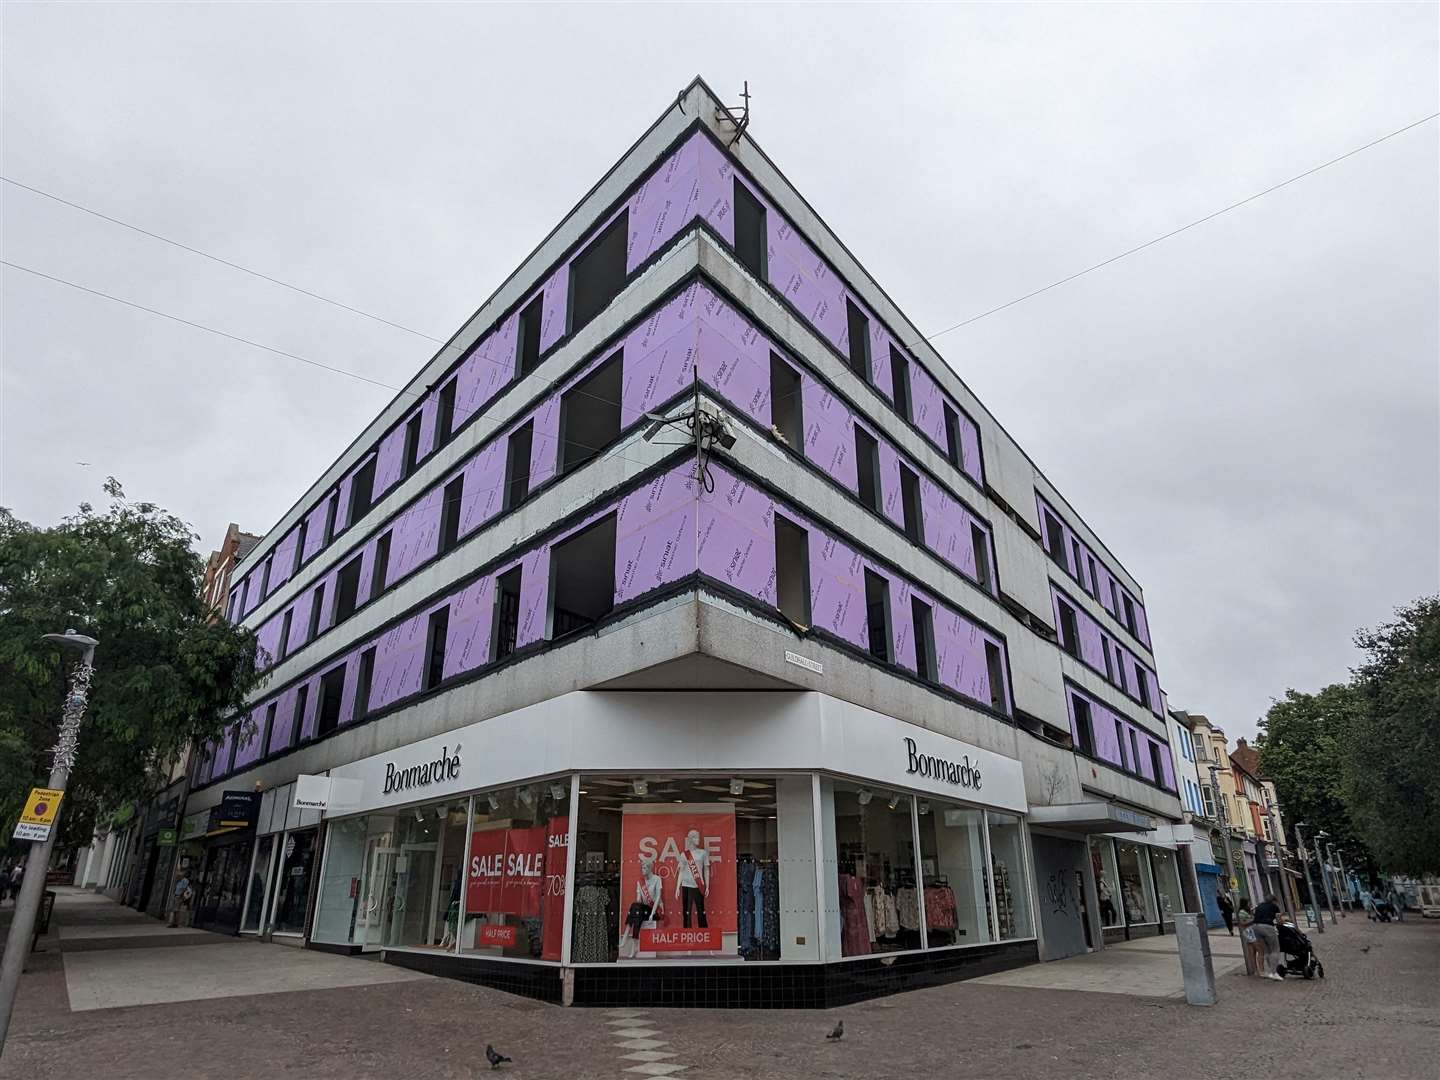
x=1094, y=581
x=1120, y=744
x=954, y=447
x=450, y=504
x=867, y=468
x=317, y=605
x=859, y=339
x=922, y=622
x=792, y=572
x=412, y=442
x=527, y=340
x=1134, y=752
x=750, y=237
x=347, y=589
x=981, y=544
x=1054, y=539
x=582, y=578
x=1120, y=669
x=900, y=382
x=1105, y=648
x=445, y=414
x=787, y=414
x=1130, y=616
x=381, y=566
x=332, y=691
x=1084, y=725
x=1142, y=686
x=517, y=464
x=910, y=504
x=590, y=414
x=265, y=747
x=1155, y=764
x=1077, y=567
x=435, y=648
x=362, y=491
x=265, y=577
x=995, y=669
x=598, y=273
x=1069, y=634
x=300, y=545
x=298, y=720
x=282, y=647
x=331, y=505
x=877, y=614
x=363, y=683
x=507, y=612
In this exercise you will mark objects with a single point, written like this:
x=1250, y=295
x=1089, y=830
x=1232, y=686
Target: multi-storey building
x=220, y=569
x=686, y=621
x=1223, y=797
x=1200, y=830
x=1274, y=864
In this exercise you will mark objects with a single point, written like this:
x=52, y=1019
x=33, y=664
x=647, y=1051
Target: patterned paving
x=639, y=1038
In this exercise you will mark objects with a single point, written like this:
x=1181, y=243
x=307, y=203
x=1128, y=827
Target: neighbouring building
x=1275, y=862
x=686, y=621
x=1189, y=748
x=220, y=568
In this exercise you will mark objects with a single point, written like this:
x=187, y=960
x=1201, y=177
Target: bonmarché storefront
x=726, y=849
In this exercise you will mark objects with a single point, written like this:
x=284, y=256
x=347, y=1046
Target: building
x=1188, y=748
x=1218, y=790
x=1276, y=863
x=688, y=618
x=220, y=567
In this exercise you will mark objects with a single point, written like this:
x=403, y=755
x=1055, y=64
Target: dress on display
x=592, y=925
x=854, y=927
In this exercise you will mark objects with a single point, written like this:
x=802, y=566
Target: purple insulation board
x=717, y=188
x=734, y=357
x=315, y=530
x=891, y=500
x=300, y=620
x=960, y=655
x=399, y=658
x=281, y=733
x=534, y=596
x=837, y=589
x=484, y=486
x=664, y=203
x=736, y=536
x=222, y=750
x=970, y=449
x=415, y=535
x=880, y=345
x=545, y=441
x=284, y=559
x=655, y=540
x=806, y=280
x=472, y=615
x=947, y=527
x=487, y=369
x=927, y=406
x=659, y=357
x=829, y=433
x=367, y=572
x=390, y=458
x=267, y=641
x=252, y=733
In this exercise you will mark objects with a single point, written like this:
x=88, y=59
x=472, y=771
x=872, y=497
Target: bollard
x=1196, y=967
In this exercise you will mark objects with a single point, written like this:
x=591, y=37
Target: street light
x=1309, y=885
x=1278, y=844
x=37, y=861
x=1325, y=875
x=1224, y=821
x=1344, y=885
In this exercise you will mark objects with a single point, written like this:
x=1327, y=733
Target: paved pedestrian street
x=116, y=995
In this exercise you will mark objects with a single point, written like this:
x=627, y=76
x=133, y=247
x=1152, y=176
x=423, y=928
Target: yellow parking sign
x=39, y=814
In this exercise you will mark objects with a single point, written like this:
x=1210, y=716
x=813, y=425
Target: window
x=412, y=442
x=362, y=491
x=515, y=888
x=1134, y=752
x=792, y=572
x=450, y=513
x=507, y=612
x=1120, y=669
x=1107, y=880
x=282, y=647
x=981, y=545
x=1069, y=635
x=1054, y=539
x=1084, y=726
x=331, y=504
x=300, y=545
x=1120, y=744
x=787, y=404
x=1155, y=763
x=1077, y=564
x=265, y=578
x=1105, y=648
x=750, y=235
x=297, y=722
x=867, y=468
x=900, y=382
x=1208, y=794
x=444, y=415
x=910, y=502
x=922, y=625
x=874, y=849
x=582, y=578
x=362, y=685
x=435, y=648
x=347, y=589
x=859, y=327
x=877, y=614
x=317, y=605
x=590, y=414
x=517, y=464
x=954, y=446
x=1094, y=581
x=598, y=273
x=1114, y=600
x=995, y=669
x=527, y=338
x=1199, y=741
x=1142, y=685
x=1012, y=897
x=332, y=692
x=1130, y=616
x=269, y=728
x=381, y=565
x=952, y=863
x=1136, y=891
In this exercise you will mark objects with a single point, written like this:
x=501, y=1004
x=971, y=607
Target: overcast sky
x=1246, y=414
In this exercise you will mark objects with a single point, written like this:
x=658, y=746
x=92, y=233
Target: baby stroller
x=1300, y=958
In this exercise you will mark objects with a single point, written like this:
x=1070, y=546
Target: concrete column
x=1196, y=967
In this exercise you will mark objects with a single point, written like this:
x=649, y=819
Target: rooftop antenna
x=739, y=119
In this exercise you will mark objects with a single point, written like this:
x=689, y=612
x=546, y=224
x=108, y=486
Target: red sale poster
x=507, y=871
x=487, y=870
x=689, y=850
x=552, y=918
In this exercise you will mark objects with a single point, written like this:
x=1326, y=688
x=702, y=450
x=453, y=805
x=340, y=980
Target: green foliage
x=165, y=673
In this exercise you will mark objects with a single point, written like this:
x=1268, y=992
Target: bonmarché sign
x=444, y=767
x=960, y=773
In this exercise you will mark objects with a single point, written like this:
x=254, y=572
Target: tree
x=166, y=674
x=1392, y=779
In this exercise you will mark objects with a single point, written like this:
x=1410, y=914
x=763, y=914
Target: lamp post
x=1325, y=875
x=1278, y=844
x=1309, y=885
x=1343, y=887
x=1224, y=827
x=37, y=860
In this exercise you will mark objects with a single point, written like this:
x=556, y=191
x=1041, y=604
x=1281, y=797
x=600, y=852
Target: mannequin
x=692, y=883
x=649, y=902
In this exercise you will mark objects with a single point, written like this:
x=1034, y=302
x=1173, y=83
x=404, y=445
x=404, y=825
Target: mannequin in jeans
x=692, y=883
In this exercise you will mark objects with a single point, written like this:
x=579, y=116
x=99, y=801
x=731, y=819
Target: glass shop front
x=1138, y=885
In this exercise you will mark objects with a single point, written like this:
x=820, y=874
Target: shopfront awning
x=1092, y=817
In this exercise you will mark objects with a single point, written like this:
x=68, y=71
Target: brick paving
x=1374, y=1016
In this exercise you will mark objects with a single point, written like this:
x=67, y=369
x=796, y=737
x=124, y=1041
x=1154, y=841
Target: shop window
x=507, y=612
x=331, y=505
x=265, y=578
x=255, y=901
x=1136, y=893
x=421, y=893
x=445, y=414
x=952, y=868
x=1107, y=881
x=412, y=442
x=295, y=860
x=527, y=338
x=582, y=578
x=995, y=673
x=910, y=504
x=1054, y=539
x=1142, y=686
x=1069, y=635
x=980, y=545
x=867, y=468
x=317, y=607
x=1130, y=617
x=360, y=858
x=1167, y=882
x=598, y=273
x=297, y=722
x=435, y=637
x=787, y=404
x=517, y=464
x=332, y=692
x=450, y=506
x=269, y=729
x=922, y=625
x=362, y=491
x=792, y=572
x=859, y=327
x=876, y=870
x=347, y=589
x=1084, y=726
x=363, y=684
x=1007, y=864
x=877, y=614
x=381, y=565
x=695, y=868
x=954, y=447
x=282, y=648
x=514, y=889
x=590, y=414
x=750, y=233
x=900, y=382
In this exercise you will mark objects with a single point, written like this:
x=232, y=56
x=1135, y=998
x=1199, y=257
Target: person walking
x=1268, y=936
x=184, y=894
x=17, y=875
x=1227, y=909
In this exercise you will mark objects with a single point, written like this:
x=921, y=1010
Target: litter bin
x=42, y=918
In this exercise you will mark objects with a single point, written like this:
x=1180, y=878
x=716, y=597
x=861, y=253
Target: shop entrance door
x=1059, y=866
x=374, y=891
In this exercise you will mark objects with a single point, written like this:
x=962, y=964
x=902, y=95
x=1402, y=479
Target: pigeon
x=1365, y=949
x=495, y=1059
x=838, y=1032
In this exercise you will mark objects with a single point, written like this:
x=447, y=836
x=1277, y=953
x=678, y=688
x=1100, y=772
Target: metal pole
x=37, y=860
x=1345, y=876
x=1342, y=884
x=1278, y=845
x=1325, y=880
x=1309, y=885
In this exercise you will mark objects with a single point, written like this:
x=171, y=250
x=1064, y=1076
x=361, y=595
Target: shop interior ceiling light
x=894, y=801
x=642, y=788
x=527, y=796
x=737, y=786
x=493, y=800
x=924, y=807
x=557, y=791
x=865, y=796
